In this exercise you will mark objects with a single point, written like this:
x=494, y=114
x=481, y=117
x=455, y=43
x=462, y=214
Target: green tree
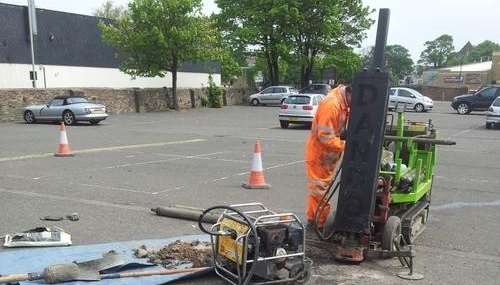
x=231, y=57
x=320, y=27
x=483, y=50
x=436, y=52
x=109, y=10
x=156, y=36
x=256, y=23
x=398, y=61
x=345, y=62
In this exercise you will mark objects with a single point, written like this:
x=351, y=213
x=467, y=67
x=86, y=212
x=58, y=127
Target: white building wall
x=56, y=76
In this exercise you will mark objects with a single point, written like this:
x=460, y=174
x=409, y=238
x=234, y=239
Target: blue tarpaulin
x=15, y=261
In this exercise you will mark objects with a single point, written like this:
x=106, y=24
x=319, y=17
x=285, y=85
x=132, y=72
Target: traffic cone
x=63, y=150
x=256, y=179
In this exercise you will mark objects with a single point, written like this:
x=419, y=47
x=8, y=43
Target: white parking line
x=76, y=200
x=101, y=149
x=167, y=190
x=109, y=188
x=248, y=172
x=459, y=205
x=78, y=184
x=133, y=146
x=204, y=157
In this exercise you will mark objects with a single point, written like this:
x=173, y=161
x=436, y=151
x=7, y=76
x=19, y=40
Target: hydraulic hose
x=322, y=204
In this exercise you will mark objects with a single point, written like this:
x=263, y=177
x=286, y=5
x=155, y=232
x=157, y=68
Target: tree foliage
x=256, y=23
x=288, y=32
x=398, y=61
x=320, y=27
x=436, y=52
x=481, y=52
x=156, y=36
x=231, y=57
x=346, y=63
x=109, y=10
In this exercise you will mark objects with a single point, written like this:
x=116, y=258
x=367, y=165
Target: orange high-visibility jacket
x=324, y=149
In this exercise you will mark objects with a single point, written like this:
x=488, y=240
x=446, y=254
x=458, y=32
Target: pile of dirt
x=179, y=253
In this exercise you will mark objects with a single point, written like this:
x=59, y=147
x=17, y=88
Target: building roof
x=478, y=66
x=65, y=39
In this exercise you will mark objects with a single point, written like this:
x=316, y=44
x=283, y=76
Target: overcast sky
x=412, y=22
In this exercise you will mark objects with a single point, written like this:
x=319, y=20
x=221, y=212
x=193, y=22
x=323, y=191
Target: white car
x=299, y=109
x=493, y=114
x=271, y=95
x=409, y=97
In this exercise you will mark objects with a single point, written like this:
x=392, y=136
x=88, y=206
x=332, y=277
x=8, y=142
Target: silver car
x=493, y=114
x=299, y=109
x=271, y=95
x=412, y=99
x=69, y=109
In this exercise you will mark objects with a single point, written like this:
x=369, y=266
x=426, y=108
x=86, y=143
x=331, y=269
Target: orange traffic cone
x=256, y=179
x=63, y=150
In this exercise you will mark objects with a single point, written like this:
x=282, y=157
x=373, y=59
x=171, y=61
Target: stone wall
x=117, y=101
x=440, y=93
x=473, y=80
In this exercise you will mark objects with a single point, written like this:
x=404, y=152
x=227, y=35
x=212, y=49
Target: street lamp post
x=33, y=33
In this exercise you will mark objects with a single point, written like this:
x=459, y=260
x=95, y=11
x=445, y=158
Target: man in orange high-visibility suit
x=324, y=149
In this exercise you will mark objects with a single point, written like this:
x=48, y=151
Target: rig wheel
x=392, y=231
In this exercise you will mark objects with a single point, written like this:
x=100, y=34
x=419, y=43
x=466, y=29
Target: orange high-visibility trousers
x=323, y=150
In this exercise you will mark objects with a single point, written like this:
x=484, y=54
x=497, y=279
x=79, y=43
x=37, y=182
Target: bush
x=204, y=101
x=214, y=94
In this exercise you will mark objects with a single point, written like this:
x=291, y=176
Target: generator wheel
x=306, y=273
x=392, y=231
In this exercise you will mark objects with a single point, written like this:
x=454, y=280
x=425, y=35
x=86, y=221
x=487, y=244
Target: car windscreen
x=314, y=89
x=496, y=103
x=76, y=100
x=298, y=100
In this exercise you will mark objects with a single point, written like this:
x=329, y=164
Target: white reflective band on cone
x=257, y=162
x=63, y=138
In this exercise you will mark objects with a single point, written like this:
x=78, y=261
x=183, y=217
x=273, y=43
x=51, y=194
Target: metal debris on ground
x=71, y=217
x=38, y=237
x=178, y=254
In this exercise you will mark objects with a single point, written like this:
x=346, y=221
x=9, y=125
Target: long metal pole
x=381, y=41
x=30, y=18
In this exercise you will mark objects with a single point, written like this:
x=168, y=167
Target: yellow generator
x=254, y=245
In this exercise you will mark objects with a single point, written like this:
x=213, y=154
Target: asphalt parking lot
x=199, y=158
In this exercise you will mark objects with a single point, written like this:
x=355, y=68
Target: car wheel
x=255, y=102
x=94, y=122
x=463, y=108
x=284, y=124
x=68, y=118
x=29, y=117
x=489, y=125
x=419, y=108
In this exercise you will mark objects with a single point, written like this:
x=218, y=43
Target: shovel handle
x=15, y=278
x=152, y=273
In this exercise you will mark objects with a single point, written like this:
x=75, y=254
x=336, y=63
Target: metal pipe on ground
x=61, y=273
x=184, y=214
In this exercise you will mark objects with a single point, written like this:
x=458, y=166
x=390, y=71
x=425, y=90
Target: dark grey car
x=69, y=109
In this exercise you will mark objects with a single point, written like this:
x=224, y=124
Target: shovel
x=83, y=271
